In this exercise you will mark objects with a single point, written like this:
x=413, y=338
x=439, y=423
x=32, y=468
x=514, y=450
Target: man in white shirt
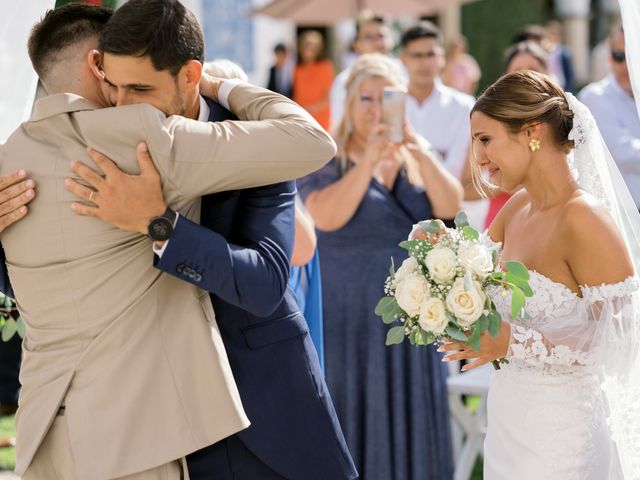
x=612, y=103
x=438, y=113
x=372, y=36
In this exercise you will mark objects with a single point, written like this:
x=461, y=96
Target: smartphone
x=393, y=108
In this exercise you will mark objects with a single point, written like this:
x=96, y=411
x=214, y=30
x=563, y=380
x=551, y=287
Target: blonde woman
x=391, y=402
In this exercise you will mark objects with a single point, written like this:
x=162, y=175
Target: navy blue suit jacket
x=240, y=254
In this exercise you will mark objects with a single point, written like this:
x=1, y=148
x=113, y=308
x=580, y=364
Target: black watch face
x=160, y=228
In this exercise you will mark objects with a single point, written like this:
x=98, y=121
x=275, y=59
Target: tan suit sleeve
x=273, y=141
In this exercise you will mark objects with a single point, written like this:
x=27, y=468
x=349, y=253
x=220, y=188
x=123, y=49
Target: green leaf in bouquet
x=388, y=309
x=474, y=339
x=9, y=329
x=409, y=244
x=420, y=337
x=395, y=335
x=456, y=333
x=517, y=269
x=430, y=226
x=470, y=233
x=521, y=283
x=483, y=323
x=392, y=269
x=461, y=220
x=21, y=327
x=517, y=301
x=495, y=322
x=8, y=302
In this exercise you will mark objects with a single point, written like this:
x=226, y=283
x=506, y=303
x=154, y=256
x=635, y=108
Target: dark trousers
x=10, y=353
x=228, y=459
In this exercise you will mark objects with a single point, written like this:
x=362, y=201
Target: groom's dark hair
x=164, y=30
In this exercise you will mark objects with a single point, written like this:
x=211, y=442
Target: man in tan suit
x=124, y=371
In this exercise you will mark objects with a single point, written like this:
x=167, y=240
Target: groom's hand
x=16, y=191
x=127, y=202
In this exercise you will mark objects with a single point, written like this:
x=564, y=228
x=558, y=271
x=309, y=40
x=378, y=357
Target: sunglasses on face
x=618, y=57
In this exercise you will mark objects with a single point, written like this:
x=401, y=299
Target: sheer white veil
x=619, y=332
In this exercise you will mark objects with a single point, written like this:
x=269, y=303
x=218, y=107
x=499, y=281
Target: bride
x=564, y=406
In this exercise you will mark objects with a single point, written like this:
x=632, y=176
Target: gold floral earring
x=534, y=144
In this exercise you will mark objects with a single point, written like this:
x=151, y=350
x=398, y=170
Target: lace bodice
x=556, y=335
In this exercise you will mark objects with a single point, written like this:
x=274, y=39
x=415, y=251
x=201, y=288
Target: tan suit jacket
x=134, y=354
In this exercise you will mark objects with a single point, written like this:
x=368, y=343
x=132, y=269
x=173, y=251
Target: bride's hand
x=491, y=348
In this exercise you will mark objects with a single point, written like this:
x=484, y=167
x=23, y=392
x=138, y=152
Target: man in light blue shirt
x=612, y=103
x=438, y=113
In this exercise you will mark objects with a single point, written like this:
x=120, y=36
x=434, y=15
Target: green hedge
x=105, y=3
x=489, y=26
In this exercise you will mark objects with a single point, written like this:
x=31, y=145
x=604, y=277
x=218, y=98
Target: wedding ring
x=91, y=196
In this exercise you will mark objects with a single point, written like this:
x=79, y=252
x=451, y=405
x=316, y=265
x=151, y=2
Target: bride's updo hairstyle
x=523, y=97
x=520, y=98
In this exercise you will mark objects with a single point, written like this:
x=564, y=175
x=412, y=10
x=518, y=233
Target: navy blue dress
x=391, y=401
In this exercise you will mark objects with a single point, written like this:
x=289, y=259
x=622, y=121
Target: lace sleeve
x=602, y=331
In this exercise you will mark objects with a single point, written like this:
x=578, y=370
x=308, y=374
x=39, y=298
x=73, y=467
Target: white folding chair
x=468, y=428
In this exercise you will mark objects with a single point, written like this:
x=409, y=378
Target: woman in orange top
x=313, y=77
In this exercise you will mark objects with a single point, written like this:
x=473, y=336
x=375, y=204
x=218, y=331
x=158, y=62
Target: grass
x=7, y=455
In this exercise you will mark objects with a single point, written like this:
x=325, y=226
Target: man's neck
x=421, y=92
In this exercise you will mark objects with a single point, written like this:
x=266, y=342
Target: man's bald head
x=59, y=43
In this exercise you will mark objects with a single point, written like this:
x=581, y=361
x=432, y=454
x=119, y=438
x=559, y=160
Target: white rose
x=411, y=292
x=476, y=258
x=467, y=306
x=433, y=317
x=408, y=267
x=442, y=264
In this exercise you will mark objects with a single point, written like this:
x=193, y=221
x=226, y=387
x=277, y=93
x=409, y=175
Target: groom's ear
x=189, y=75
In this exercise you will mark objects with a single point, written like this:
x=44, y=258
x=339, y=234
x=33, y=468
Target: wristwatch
x=160, y=228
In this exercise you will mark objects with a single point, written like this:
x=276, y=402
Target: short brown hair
x=61, y=28
x=164, y=30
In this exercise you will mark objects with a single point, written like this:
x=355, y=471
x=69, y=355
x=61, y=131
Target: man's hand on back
x=127, y=202
x=15, y=192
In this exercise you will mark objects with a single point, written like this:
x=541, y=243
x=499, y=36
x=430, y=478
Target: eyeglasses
x=420, y=55
x=618, y=57
x=373, y=38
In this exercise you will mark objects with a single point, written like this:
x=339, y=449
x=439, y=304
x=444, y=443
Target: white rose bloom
x=476, y=257
x=433, y=317
x=442, y=264
x=408, y=267
x=466, y=306
x=411, y=292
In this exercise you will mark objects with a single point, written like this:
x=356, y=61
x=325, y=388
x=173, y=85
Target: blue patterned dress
x=391, y=401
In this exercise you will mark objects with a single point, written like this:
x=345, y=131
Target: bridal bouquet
x=440, y=291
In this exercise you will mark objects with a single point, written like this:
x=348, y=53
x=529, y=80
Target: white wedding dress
x=547, y=413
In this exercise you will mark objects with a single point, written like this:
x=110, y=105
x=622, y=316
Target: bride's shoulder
x=596, y=251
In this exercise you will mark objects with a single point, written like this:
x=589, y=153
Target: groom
x=241, y=257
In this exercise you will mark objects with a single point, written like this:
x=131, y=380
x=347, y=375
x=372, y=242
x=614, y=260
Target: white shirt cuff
x=225, y=90
x=160, y=251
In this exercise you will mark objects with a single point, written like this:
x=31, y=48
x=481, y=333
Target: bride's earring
x=534, y=144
